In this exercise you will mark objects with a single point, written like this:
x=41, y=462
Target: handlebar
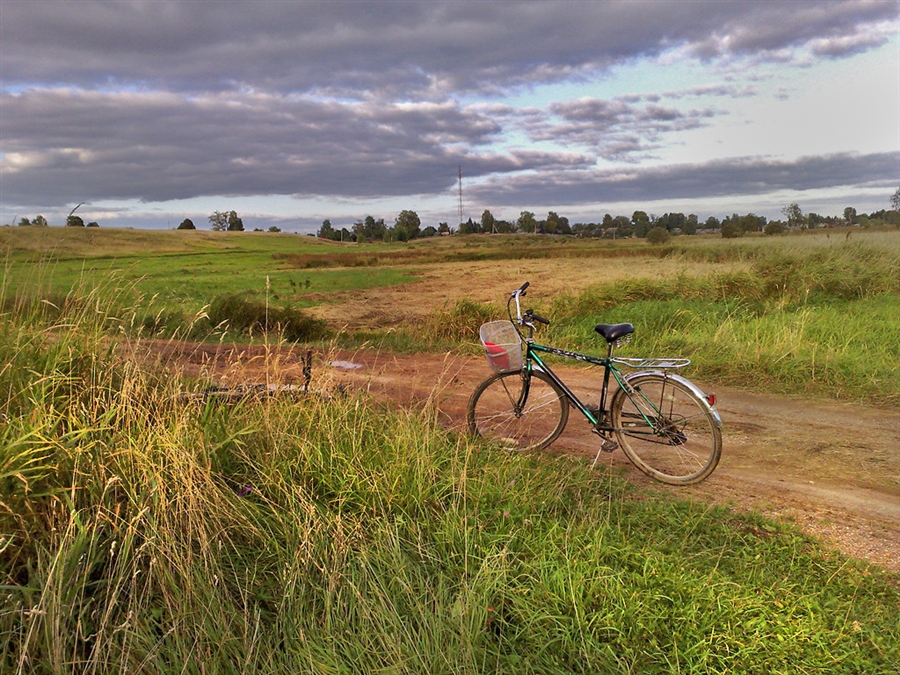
x=529, y=314
x=528, y=317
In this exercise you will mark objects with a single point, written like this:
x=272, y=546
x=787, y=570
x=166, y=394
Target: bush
x=658, y=235
x=731, y=231
x=248, y=316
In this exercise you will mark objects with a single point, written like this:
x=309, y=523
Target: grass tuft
x=145, y=532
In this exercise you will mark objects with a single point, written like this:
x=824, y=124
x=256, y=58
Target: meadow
x=145, y=532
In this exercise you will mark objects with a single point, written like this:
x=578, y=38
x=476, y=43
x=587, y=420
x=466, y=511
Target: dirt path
x=832, y=468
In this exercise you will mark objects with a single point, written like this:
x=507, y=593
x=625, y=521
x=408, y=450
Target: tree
x=751, y=223
x=712, y=223
x=658, y=235
x=672, y=221
x=39, y=221
x=326, y=231
x=235, y=224
x=469, y=227
x=526, y=222
x=72, y=220
x=24, y=222
x=369, y=229
x=186, y=224
x=622, y=226
x=274, y=228
x=93, y=223
x=407, y=225
x=731, y=230
x=429, y=231
x=641, y=223
x=691, y=224
x=895, y=200
x=850, y=215
x=794, y=215
x=487, y=222
x=443, y=228
x=550, y=225
x=219, y=221
x=774, y=227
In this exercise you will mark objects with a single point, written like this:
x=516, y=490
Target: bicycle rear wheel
x=501, y=410
x=666, y=430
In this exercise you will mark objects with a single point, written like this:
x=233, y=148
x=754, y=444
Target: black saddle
x=612, y=332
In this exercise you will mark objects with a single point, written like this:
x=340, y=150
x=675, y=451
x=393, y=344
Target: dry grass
x=491, y=281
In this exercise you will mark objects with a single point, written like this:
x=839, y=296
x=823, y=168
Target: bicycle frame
x=532, y=359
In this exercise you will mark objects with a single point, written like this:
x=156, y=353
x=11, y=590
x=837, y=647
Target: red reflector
x=711, y=398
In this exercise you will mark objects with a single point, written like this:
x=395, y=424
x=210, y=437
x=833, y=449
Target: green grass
x=146, y=533
x=811, y=314
x=190, y=281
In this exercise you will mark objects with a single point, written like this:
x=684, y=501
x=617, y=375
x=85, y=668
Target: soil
x=831, y=468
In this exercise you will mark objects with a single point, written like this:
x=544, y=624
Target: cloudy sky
x=291, y=112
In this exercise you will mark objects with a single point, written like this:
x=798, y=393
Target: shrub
x=247, y=316
x=731, y=231
x=658, y=235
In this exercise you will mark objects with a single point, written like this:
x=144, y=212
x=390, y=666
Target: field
x=146, y=532
x=812, y=314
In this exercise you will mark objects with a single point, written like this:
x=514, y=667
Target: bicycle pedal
x=608, y=445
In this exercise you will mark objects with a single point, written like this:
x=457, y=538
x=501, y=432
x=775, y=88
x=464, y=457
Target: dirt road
x=832, y=468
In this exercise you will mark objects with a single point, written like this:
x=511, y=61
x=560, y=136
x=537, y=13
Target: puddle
x=345, y=365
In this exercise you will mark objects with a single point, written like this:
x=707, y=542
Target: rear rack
x=652, y=363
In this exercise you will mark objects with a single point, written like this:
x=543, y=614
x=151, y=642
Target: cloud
x=397, y=49
x=159, y=100
x=721, y=178
x=617, y=129
x=77, y=146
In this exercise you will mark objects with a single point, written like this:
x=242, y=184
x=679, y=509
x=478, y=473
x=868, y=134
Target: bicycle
x=665, y=424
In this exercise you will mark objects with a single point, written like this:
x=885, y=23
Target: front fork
x=519, y=405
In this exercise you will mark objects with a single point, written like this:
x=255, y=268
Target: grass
x=811, y=314
x=146, y=533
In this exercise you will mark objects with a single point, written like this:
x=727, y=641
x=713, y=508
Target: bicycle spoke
x=666, y=430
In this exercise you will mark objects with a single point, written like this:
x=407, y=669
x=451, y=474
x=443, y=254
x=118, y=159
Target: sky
x=290, y=112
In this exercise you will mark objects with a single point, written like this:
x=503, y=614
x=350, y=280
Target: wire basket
x=502, y=346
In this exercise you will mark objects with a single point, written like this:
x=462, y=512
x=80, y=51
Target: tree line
x=71, y=221
x=408, y=225
x=656, y=229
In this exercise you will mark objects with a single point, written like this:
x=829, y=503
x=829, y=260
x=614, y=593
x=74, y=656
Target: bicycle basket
x=502, y=346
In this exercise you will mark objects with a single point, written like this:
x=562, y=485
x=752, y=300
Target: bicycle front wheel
x=666, y=430
x=523, y=412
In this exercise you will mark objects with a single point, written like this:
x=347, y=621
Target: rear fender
x=633, y=379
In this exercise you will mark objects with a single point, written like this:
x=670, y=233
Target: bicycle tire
x=685, y=442
x=491, y=412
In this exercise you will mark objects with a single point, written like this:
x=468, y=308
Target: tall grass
x=147, y=533
x=816, y=320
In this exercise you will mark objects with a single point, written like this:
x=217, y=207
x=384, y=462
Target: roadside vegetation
x=145, y=532
x=810, y=314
